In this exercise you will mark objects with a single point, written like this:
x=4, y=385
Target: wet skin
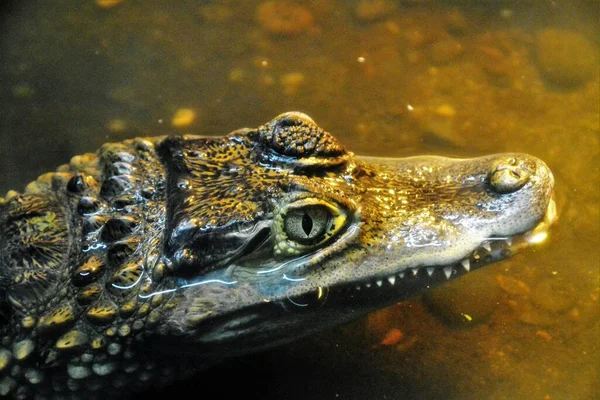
x=153, y=257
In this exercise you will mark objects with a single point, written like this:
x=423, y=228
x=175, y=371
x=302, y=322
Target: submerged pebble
x=215, y=13
x=108, y=3
x=183, y=117
x=565, y=57
x=445, y=51
x=553, y=295
x=117, y=126
x=531, y=315
x=22, y=91
x=456, y=22
x=468, y=300
x=284, y=18
x=445, y=110
x=392, y=337
x=544, y=335
x=373, y=10
x=379, y=322
x=512, y=286
x=291, y=82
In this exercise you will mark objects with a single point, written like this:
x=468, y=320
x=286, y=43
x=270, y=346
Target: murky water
x=388, y=78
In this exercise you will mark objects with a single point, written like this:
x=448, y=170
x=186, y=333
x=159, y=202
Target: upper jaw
x=490, y=250
x=450, y=245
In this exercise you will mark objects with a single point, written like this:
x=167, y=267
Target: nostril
x=508, y=175
x=515, y=174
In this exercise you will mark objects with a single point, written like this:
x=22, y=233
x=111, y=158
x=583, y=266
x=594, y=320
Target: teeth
x=379, y=283
x=509, y=242
x=401, y=275
x=368, y=285
x=487, y=246
x=415, y=271
x=466, y=265
x=448, y=272
x=357, y=287
x=430, y=271
x=392, y=279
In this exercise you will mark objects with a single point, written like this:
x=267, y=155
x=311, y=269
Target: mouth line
x=491, y=250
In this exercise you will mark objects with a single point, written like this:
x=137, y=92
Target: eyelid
x=311, y=201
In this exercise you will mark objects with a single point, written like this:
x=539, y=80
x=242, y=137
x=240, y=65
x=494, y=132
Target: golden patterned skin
x=153, y=257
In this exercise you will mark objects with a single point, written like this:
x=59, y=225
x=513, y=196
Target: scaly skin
x=154, y=257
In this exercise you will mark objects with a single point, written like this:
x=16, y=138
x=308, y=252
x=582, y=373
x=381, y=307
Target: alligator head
x=209, y=247
x=279, y=231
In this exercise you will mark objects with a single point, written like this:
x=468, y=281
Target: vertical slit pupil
x=307, y=224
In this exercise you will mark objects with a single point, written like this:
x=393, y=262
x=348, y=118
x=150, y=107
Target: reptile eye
x=306, y=224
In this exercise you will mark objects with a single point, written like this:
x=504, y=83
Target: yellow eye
x=307, y=224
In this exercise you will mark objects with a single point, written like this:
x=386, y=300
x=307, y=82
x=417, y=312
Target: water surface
x=389, y=78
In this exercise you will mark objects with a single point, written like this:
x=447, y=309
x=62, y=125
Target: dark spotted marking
x=89, y=294
x=120, y=251
x=102, y=314
x=117, y=228
x=88, y=205
x=126, y=277
x=115, y=185
x=57, y=320
x=88, y=271
x=76, y=184
x=93, y=223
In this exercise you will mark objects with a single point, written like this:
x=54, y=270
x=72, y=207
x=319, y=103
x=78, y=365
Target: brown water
x=388, y=78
